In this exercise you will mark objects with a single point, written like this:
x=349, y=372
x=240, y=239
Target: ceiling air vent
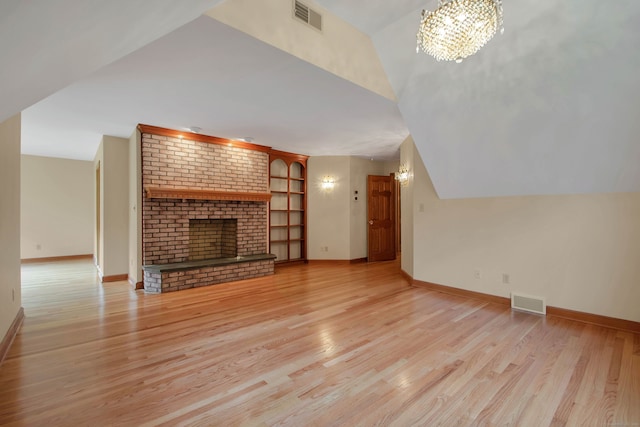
x=306, y=15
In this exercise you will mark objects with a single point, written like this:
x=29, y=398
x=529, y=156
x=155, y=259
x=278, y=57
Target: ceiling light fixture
x=195, y=129
x=459, y=28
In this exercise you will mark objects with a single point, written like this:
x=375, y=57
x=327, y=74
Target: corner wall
x=340, y=48
x=113, y=156
x=580, y=252
x=336, y=220
x=56, y=207
x=407, y=153
x=135, y=208
x=10, y=291
x=359, y=170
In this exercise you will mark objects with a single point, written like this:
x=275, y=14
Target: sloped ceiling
x=46, y=45
x=231, y=85
x=550, y=107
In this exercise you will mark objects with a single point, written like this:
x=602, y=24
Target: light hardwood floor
x=312, y=345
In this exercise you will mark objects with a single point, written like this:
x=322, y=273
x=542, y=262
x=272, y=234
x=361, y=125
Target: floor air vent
x=306, y=15
x=528, y=303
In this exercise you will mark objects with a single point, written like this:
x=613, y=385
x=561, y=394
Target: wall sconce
x=402, y=176
x=328, y=182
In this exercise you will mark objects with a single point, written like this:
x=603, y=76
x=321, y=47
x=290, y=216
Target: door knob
x=370, y=222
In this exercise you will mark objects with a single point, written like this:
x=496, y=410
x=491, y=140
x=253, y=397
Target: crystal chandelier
x=459, y=28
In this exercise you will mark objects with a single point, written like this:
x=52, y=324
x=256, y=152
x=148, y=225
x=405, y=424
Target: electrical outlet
x=477, y=274
x=506, y=279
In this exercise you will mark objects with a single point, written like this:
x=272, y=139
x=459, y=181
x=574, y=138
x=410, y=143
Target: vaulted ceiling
x=550, y=107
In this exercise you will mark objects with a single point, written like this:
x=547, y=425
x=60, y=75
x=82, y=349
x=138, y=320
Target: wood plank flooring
x=313, y=345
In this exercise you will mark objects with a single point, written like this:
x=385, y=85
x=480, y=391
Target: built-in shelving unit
x=287, y=209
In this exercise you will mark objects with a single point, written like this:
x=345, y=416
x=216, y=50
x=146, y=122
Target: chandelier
x=459, y=28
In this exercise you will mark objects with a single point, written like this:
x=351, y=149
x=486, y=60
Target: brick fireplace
x=204, y=211
x=212, y=238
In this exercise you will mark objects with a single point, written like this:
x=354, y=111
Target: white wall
x=57, y=207
x=340, y=48
x=10, y=295
x=113, y=156
x=580, y=252
x=135, y=205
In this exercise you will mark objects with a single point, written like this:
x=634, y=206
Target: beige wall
x=340, y=48
x=135, y=211
x=57, y=205
x=407, y=152
x=580, y=252
x=328, y=210
x=98, y=229
x=10, y=295
x=336, y=220
x=113, y=156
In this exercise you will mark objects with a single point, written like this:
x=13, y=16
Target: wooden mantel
x=197, y=194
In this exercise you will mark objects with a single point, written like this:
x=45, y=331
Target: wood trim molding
x=406, y=276
x=8, y=338
x=596, y=319
x=578, y=316
x=337, y=261
x=56, y=258
x=197, y=194
x=135, y=285
x=155, y=130
x=288, y=157
x=331, y=262
x=462, y=293
x=115, y=278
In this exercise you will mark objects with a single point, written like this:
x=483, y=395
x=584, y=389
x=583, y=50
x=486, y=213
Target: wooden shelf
x=198, y=194
x=286, y=240
x=288, y=170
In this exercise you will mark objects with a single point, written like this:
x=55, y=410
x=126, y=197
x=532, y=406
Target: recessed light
x=244, y=138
